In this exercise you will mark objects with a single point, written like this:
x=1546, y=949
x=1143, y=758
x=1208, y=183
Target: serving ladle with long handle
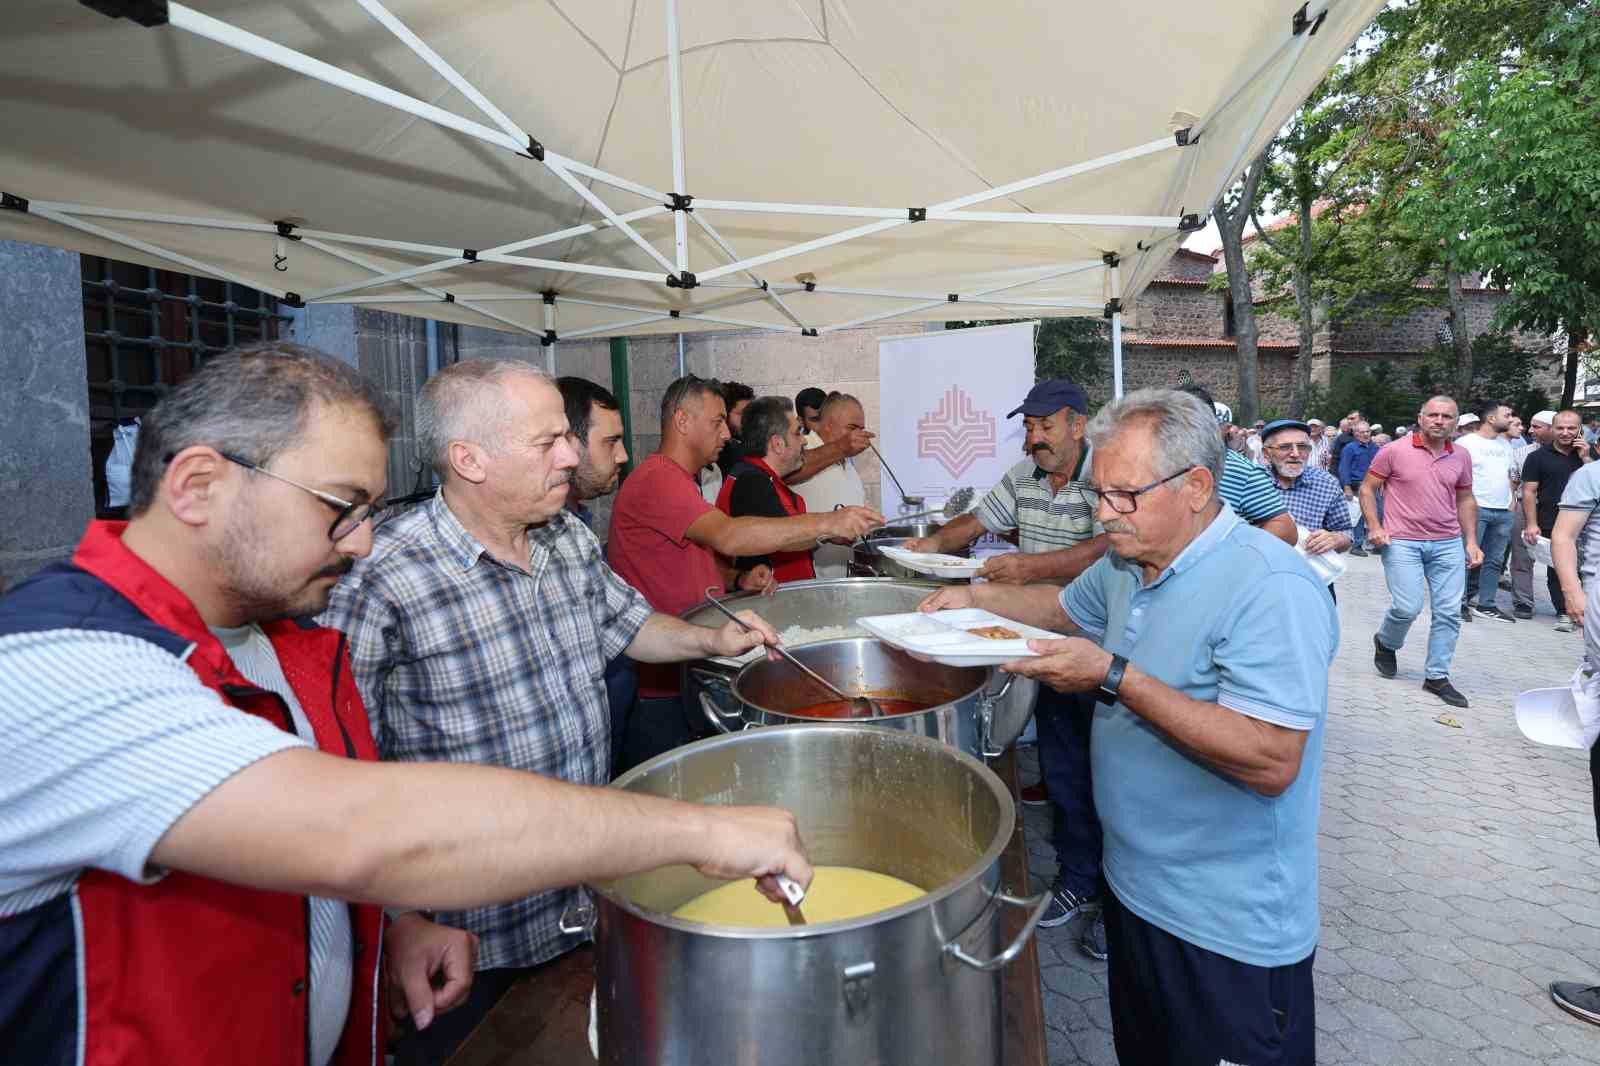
x=860, y=706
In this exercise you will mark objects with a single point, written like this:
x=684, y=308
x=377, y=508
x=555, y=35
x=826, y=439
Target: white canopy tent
x=618, y=167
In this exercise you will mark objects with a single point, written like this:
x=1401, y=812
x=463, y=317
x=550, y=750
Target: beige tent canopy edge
x=672, y=291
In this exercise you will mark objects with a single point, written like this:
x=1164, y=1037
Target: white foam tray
x=933, y=563
x=943, y=636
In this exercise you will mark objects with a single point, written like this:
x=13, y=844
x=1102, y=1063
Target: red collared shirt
x=1420, y=488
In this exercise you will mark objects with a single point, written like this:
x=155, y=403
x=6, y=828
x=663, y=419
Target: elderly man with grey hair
x=480, y=628
x=1207, y=643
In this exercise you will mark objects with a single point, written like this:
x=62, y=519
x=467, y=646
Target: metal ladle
x=860, y=706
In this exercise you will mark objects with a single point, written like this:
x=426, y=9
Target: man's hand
x=1378, y=538
x=1530, y=535
x=1574, y=598
x=848, y=523
x=920, y=544
x=759, y=578
x=1070, y=665
x=429, y=967
x=1012, y=568
x=1474, y=556
x=731, y=640
x=1322, y=541
x=754, y=842
x=949, y=598
x=855, y=442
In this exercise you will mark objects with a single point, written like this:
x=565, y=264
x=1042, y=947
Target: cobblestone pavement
x=1458, y=866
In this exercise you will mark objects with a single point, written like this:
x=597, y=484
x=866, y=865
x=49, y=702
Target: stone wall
x=45, y=476
x=1214, y=367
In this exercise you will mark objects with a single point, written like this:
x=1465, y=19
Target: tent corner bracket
x=547, y=338
x=13, y=202
x=293, y=299
x=917, y=214
x=1190, y=223
x=1113, y=307
x=1111, y=259
x=535, y=149
x=808, y=333
x=1186, y=137
x=1301, y=22
x=680, y=202
x=685, y=280
x=147, y=13
x=549, y=296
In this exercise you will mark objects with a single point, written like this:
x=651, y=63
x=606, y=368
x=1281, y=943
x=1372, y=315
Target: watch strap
x=1107, y=693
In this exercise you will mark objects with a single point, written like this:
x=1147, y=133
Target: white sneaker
x=1565, y=625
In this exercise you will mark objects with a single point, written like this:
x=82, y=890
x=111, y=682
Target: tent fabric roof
x=873, y=109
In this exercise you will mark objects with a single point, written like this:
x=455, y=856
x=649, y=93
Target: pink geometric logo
x=955, y=434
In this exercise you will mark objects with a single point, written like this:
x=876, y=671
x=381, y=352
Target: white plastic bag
x=119, y=464
x=1586, y=695
x=1540, y=551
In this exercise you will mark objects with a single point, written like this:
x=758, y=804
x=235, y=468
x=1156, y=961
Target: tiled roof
x=1200, y=342
x=1198, y=283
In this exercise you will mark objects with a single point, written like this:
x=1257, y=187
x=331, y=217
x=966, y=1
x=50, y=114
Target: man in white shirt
x=1491, y=487
x=838, y=484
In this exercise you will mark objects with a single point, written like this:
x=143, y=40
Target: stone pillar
x=45, y=479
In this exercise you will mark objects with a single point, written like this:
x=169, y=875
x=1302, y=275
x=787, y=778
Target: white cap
x=1547, y=417
x=1315, y=422
x=1466, y=419
x=1375, y=426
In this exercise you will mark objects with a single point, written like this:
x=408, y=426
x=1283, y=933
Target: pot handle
x=1000, y=693
x=986, y=718
x=1037, y=903
x=577, y=918
x=718, y=720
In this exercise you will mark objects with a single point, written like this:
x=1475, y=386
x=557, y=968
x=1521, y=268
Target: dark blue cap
x=1282, y=423
x=1048, y=397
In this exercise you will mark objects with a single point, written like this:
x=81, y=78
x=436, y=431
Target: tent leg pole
x=621, y=389
x=1116, y=332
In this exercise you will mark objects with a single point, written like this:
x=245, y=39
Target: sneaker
x=1491, y=612
x=1066, y=905
x=1522, y=612
x=1094, y=939
x=1441, y=687
x=1383, y=658
x=1036, y=795
x=1466, y=613
x=1565, y=625
x=1359, y=552
x=1577, y=999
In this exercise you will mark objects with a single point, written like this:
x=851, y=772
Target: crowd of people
x=432, y=702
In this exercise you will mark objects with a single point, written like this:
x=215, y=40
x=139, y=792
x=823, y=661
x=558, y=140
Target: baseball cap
x=1223, y=412
x=1547, y=417
x=812, y=398
x=1048, y=397
x=1283, y=423
x=1466, y=419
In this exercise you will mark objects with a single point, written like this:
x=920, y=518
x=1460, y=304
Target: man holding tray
x=1206, y=643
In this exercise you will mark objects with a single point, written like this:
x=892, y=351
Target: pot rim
x=790, y=716
x=929, y=898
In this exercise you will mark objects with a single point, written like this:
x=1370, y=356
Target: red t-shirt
x=658, y=502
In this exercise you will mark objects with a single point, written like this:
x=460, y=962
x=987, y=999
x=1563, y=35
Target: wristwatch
x=1107, y=693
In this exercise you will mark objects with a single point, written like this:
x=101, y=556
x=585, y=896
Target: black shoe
x=1094, y=939
x=1383, y=658
x=1577, y=999
x=1066, y=905
x=1491, y=612
x=1466, y=613
x=1359, y=551
x=1521, y=612
x=1441, y=687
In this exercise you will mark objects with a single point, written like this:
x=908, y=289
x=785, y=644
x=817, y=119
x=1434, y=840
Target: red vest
x=192, y=970
x=786, y=566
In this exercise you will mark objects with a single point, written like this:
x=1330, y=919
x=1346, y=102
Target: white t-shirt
x=1491, y=469
x=837, y=485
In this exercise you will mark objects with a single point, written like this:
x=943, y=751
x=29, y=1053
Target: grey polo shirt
x=1045, y=520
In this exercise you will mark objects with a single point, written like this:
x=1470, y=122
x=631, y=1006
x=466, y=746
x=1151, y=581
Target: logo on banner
x=955, y=434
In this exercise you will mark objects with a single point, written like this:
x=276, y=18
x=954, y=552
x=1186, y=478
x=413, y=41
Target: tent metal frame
x=505, y=134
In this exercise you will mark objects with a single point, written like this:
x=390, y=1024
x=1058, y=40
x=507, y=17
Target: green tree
x=1075, y=348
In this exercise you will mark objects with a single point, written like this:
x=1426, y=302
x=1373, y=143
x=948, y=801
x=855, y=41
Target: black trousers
x=1175, y=1004
x=433, y=1045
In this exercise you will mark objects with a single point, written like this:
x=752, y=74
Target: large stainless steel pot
x=913, y=985
x=835, y=602
x=961, y=702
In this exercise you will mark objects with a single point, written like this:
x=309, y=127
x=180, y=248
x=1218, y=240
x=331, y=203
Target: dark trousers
x=1558, y=599
x=1064, y=721
x=655, y=725
x=433, y=1045
x=622, y=688
x=1175, y=1004
x=1594, y=777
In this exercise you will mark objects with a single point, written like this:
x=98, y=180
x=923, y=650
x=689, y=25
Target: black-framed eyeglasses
x=1126, y=501
x=350, y=514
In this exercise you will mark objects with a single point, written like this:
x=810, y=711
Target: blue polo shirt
x=1237, y=619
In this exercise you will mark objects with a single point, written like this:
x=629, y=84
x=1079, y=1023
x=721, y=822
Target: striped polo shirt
x=1045, y=519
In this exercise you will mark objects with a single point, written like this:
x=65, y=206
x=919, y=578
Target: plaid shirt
x=1316, y=501
x=461, y=658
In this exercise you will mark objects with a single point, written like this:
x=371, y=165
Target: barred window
x=146, y=330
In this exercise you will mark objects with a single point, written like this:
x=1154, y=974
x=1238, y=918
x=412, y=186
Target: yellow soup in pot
x=836, y=893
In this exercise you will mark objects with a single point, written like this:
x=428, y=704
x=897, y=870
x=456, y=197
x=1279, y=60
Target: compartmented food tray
x=967, y=637
x=933, y=563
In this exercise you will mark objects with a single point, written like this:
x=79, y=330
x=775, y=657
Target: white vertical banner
x=943, y=398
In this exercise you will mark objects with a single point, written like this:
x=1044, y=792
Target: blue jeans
x=1064, y=720
x=1494, y=534
x=1441, y=566
x=1358, y=536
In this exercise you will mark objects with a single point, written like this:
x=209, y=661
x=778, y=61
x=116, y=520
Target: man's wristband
x=1107, y=693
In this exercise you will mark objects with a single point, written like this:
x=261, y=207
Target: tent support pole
x=901, y=214
x=680, y=224
x=1231, y=175
x=975, y=297
x=548, y=341
x=627, y=323
x=611, y=216
x=733, y=256
x=1114, y=269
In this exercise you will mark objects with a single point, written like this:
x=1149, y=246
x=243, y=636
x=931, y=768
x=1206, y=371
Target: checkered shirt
x=1316, y=501
x=461, y=658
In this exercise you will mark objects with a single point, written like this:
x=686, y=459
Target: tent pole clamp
x=146, y=13
x=1111, y=259
x=1190, y=223
x=1113, y=307
x=1301, y=23
x=549, y=296
x=293, y=299
x=13, y=202
x=548, y=338
x=680, y=202
x=684, y=280
x=535, y=149
x=808, y=333
x=1186, y=137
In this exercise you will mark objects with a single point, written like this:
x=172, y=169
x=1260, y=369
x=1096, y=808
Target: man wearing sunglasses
x=188, y=791
x=1313, y=497
x=1207, y=644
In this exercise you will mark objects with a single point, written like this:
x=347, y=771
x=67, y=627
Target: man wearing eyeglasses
x=1312, y=495
x=1207, y=644
x=193, y=827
